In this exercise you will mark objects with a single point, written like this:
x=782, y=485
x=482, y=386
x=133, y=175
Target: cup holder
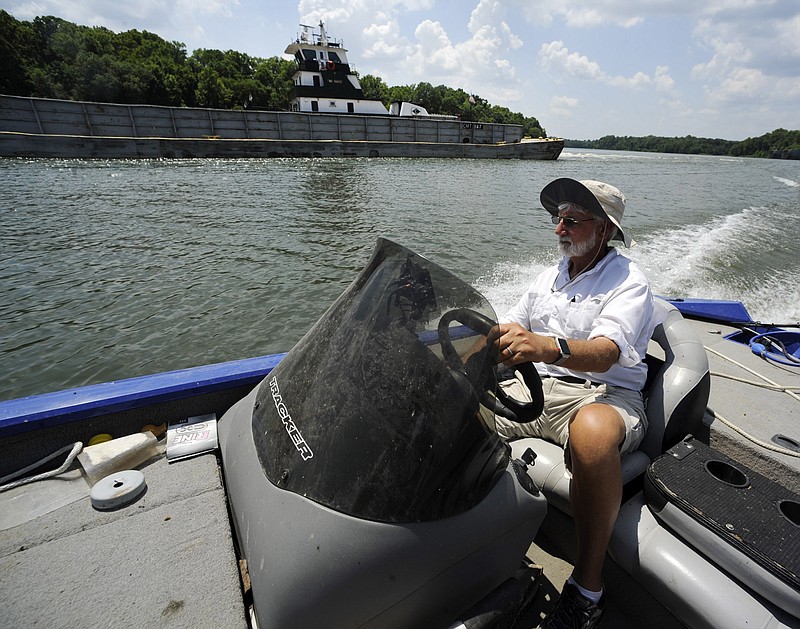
x=727, y=473
x=790, y=510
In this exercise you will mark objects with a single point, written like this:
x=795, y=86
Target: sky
x=584, y=68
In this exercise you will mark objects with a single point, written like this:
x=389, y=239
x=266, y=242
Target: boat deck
x=757, y=407
x=628, y=604
x=167, y=560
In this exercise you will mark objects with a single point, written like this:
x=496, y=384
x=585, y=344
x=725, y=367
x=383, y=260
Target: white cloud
x=743, y=87
x=383, y=41
x=486, y=12
x=435, y=57
x=788, y=36
x=728, y=53
x=591, y=17
x=343, y=13
x=755, y=48
x=720, y=6
x=562, y=107
x=743, y=83
x=640, y=79
x=556, y=58
x=204, y=7
x=663, y=81
x=481, y=63
x=432, y=37
x=586, y=14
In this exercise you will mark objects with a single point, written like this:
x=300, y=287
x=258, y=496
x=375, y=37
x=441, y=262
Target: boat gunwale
x=59, y=407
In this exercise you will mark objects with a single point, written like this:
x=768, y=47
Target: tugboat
x=324, y=81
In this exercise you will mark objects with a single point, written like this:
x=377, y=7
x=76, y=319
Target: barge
x=330, y=117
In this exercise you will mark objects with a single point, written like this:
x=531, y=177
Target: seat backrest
x=678, y=385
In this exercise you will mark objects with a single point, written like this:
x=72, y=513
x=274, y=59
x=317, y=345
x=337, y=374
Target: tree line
x=49, y=57
x=778, y=143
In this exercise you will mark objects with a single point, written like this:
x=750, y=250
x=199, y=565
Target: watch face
x=563, y=347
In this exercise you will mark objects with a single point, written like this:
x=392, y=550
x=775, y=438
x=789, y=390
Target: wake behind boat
x=329, y=117
x=365, y=491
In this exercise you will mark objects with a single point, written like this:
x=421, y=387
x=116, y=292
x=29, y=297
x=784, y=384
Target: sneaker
x=574, y=611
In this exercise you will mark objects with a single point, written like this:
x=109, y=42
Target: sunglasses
x=569, y=223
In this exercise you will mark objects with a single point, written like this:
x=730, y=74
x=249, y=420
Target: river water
x=114, y=269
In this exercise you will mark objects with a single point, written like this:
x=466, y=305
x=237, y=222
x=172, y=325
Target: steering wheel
x=481, y=367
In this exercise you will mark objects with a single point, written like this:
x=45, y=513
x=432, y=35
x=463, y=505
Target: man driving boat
x=586, y=323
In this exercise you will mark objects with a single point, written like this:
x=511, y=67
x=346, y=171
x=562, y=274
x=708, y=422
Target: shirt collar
x=562, y=278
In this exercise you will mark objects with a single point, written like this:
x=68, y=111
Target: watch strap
x=563, y=350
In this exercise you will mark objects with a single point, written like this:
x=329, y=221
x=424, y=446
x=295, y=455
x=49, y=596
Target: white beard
x=569, y=249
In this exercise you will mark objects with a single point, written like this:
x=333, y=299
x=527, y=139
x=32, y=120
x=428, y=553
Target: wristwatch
x=563, y=350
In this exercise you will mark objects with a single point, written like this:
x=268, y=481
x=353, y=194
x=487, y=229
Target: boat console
x=362, y=463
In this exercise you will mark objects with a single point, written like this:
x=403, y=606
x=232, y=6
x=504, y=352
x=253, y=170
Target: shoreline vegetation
x=778, y=144
x=49, y=57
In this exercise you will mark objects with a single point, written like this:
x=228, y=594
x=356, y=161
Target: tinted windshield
x=367, y=417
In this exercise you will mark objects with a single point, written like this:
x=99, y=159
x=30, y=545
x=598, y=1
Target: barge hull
x=107, y=147
x=39, y=127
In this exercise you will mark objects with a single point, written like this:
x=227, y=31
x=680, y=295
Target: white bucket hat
x=596, y=197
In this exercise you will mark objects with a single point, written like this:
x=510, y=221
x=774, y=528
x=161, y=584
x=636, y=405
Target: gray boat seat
x=676, y=395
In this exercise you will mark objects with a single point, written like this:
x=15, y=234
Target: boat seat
x=676, y=394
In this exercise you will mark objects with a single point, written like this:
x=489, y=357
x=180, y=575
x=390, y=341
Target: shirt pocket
x=581, y=316
x=541, y=313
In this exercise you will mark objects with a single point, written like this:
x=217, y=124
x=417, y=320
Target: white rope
x=762, y=385
x=774, y=386
x=756, y=440
x=74, y=448
x=787, y=390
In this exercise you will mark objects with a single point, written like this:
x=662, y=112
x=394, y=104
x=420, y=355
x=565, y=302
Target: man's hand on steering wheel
x=480, y=366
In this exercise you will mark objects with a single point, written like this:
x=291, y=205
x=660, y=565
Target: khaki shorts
x=562, y=400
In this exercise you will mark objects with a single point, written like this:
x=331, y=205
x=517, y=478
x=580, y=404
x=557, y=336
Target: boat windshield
x=374, y=412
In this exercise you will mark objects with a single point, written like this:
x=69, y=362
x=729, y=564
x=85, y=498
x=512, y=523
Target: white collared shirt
x=612, y=300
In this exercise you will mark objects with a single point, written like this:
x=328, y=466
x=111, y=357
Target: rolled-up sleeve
x=625, y=319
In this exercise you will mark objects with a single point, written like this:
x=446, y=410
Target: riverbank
x=778, y=144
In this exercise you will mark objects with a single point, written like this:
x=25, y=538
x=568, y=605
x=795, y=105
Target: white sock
x=592, y=596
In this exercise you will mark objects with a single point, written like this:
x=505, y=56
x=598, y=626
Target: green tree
x=773, y=143
x=15, y=53
x=454, y=102
x=402, y=93
x=167, y=75
x=532, y=128
x=375, y=88
x=429, y=97
x=211, y=90
x=274, y=76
